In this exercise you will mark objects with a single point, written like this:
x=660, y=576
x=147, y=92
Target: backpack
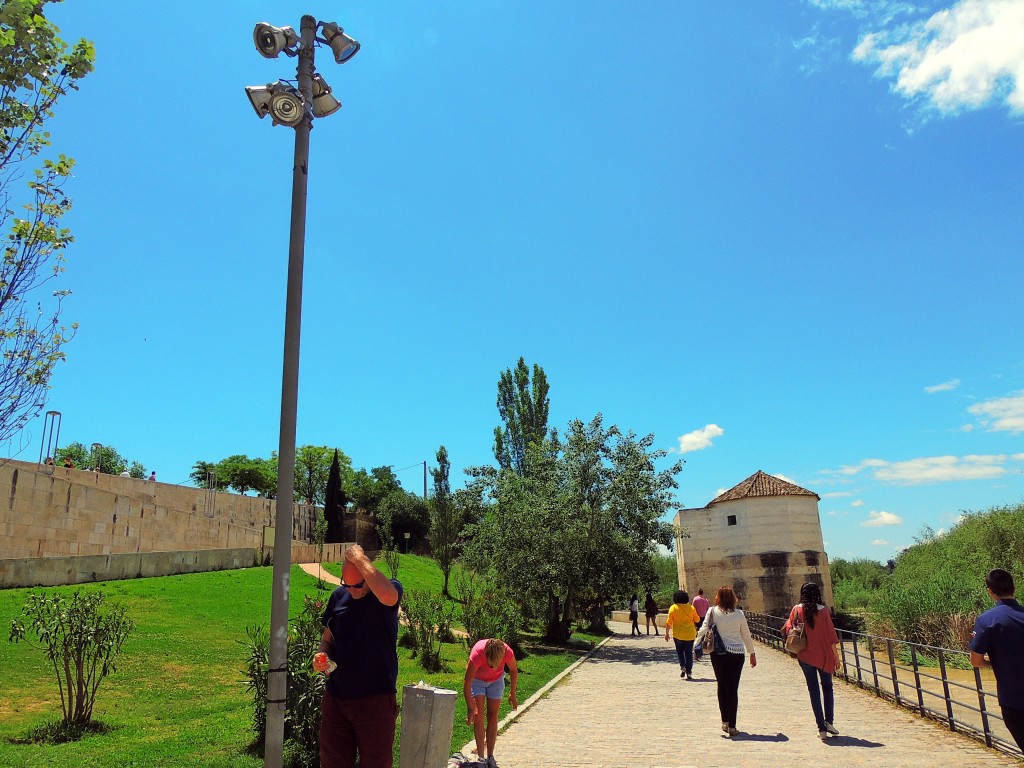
x=795, y=640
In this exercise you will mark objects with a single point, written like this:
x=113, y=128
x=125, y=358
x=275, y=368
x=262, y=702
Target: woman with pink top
x=818, y=659
x=485, y=682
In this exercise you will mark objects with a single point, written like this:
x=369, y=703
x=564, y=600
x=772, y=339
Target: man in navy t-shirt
x=999, y=632
x=360, y=708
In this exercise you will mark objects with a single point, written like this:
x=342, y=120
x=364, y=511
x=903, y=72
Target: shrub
x=81, y=643
x=305, y=687
x=430, y=617
x=488, y=611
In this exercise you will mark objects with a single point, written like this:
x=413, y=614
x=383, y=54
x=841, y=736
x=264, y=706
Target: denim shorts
x=493, y=690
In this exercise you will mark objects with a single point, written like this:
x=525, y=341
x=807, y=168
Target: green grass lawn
x=178, y=697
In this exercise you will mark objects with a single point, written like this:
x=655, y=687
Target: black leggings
x=728, y=668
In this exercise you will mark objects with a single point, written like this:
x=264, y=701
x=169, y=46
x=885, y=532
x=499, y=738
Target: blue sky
x=782, y=236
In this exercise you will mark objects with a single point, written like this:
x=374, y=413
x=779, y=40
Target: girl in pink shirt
x=485, y=680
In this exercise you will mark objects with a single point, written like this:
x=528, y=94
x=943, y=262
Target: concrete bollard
x=428, y=715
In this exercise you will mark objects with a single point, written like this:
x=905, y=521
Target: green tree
x=445, y=523
x=81, y=642
x=244, y=474
x=104, y=458
x=523, y=406
x=37, y=68
x=312, y=469
x=205, y=473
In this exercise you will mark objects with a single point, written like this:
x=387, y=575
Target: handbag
x=712, y=642
x=796, y=641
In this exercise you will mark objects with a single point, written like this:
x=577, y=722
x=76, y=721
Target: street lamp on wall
x=295, y=106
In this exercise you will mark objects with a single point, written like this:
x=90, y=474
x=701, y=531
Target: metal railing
x=937, y=683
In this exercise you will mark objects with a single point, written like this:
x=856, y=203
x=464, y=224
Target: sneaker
x=725, y=727
x=682, y=673
x=831, y=729
x=689, y=676
x=733, y=732
x=823, y=735
x=490, y=762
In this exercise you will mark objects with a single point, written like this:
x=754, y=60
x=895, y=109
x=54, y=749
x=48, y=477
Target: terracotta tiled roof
x=762, y=484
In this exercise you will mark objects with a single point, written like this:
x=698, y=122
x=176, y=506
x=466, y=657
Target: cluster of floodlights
x=282, y=100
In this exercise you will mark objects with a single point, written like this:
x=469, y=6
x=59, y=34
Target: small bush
x=489, y=612
x=305, y=687
x=430, y=617
x=81, y=642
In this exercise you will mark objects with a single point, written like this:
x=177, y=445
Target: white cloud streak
x=879, y=519
x=946, y=386
x=931, y=469
x=879, y=543
x=699, y=439
x=962, y=58
x=1004, y=414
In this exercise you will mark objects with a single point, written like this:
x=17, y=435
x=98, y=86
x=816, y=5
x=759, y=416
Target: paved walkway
x=627, y=706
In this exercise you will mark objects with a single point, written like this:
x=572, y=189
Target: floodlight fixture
x=259, y=97
x=281, y=100
x=343, y=45
x=324, y=103
x=271, y=40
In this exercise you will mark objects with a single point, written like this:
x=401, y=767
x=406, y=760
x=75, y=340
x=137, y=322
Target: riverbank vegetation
x=933, y=590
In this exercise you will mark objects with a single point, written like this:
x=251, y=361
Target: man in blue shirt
x=360, y=706
x=999, y=633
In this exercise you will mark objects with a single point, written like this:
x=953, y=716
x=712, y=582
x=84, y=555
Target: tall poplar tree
x=523, y=406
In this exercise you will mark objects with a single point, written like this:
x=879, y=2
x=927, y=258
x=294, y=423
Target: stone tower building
x=763, y=537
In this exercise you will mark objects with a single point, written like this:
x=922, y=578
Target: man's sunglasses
x=360, y=585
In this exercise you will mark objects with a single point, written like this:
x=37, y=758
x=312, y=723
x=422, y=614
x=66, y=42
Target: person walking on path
x=999, y=634
x=483, y=686
x=359, y=707
x=728, y=663
x=701, y=605
x=818, y=659
x=651, y=613
x=682, y=620
x=634, y=614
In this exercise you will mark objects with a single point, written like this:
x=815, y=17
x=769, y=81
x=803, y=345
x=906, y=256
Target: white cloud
x=878, y=519
x=1004, y=414
x=879, y=543
x=965, y=57
x=931, y=469
x=857, y=503
x=836, y=494
x=783, y=477
x=946, y=386
x=1018, y=457
x=699, y=439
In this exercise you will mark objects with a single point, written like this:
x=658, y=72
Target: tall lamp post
x=295, y=106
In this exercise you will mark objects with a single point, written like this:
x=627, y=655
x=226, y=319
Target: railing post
x=981, y=707
x=917, y=680
x=945, y=691
x=892, y=669
x=874, y=665
x=856, y=659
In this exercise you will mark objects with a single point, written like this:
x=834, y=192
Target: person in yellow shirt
x=683, y=620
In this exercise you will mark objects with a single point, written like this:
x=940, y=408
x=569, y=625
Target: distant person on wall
x=483, y=687
x=634, y=614
x=359, y=707
x=152, y=477
x=68, y=463
x=728, y=662
x=126, y=473
x=818, y=660
x=49, y=461
x=651, y=613
x=682, y=620
x=999, y=635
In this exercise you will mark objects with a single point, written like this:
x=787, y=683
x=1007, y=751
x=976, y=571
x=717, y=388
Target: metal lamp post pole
x=277, y=683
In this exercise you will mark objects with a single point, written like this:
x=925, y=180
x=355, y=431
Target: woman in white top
x=728, y=664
